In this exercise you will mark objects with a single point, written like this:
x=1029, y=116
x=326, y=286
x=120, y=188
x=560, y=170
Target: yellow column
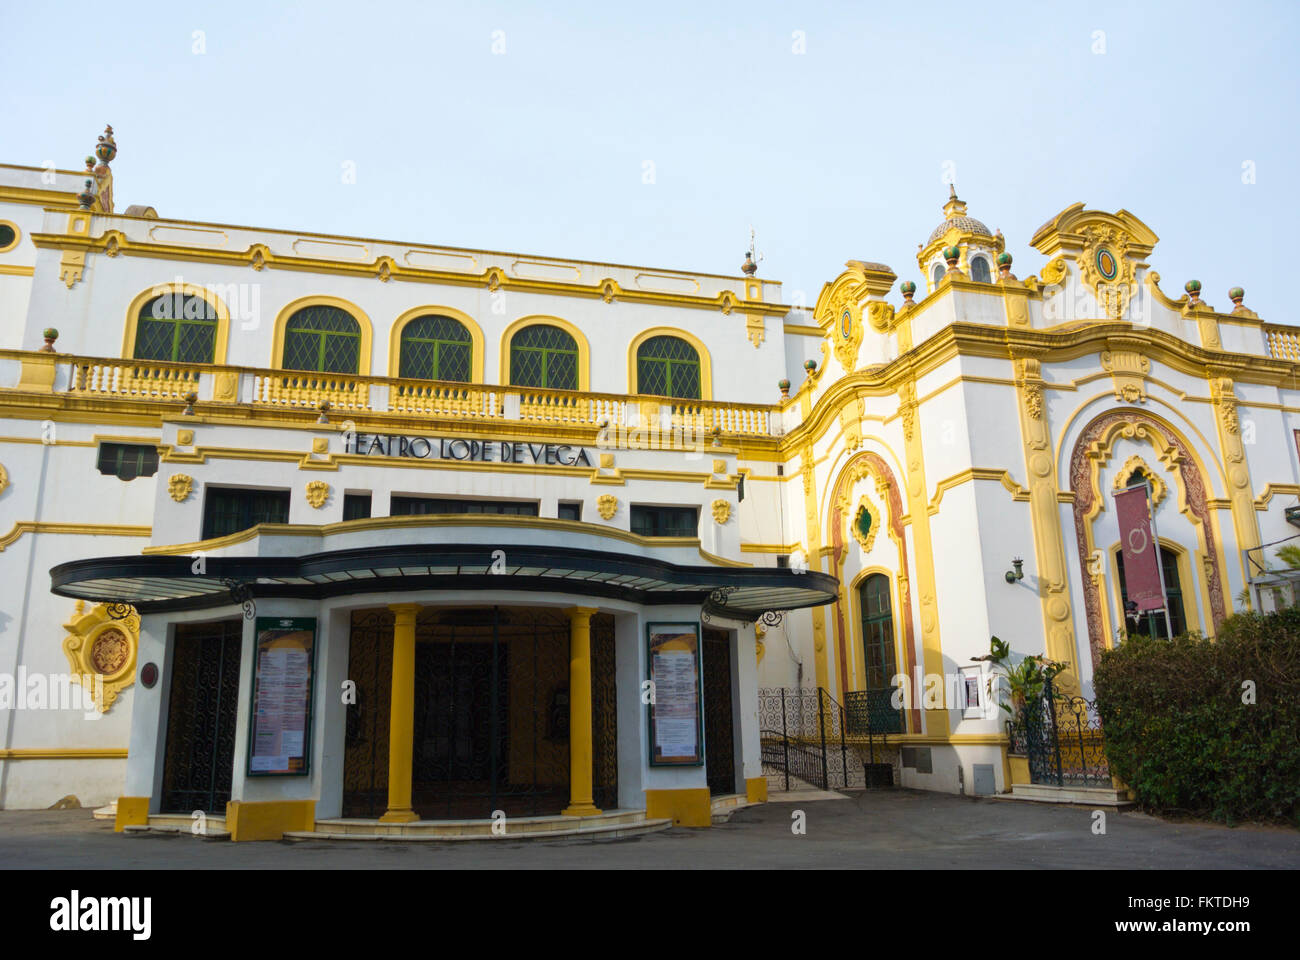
x=580, y=752
x=401, y=723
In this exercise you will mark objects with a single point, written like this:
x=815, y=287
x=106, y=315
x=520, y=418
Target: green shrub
x=1178, y=733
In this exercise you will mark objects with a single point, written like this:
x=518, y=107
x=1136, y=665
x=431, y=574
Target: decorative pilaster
x=812, y=557
x=580, y=746
x=1244, y=520
x=936, y=721
x=1049, y=541
x=401, y=722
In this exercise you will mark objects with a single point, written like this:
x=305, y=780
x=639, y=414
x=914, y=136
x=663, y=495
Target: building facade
x=335, y=527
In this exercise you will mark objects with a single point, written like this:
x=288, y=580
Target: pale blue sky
x=833, y=154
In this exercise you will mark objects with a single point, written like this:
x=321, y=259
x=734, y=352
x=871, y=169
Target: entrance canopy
x=181, y=581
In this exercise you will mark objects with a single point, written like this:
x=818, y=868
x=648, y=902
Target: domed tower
x=959, y=241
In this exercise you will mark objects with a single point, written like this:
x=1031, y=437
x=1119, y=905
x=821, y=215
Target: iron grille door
x=719, y=748
x=199, y=760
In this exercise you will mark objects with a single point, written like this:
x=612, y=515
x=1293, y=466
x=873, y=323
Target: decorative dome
x=964, y=224
x=955, y=211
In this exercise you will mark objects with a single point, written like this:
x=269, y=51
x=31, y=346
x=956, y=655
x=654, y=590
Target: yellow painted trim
x=756, y=789
x=541, y=319
x=131, y=811
x=268, y=820
x=1273, y=489
x=91, y=529
x=64, y=753
x=803, y=331
x=186, y=289
x=1018, y=493
x=16, y=270
x=706, y=362
x=359, y=315
x=475, y=336
x=768, y=547
x=686, y=808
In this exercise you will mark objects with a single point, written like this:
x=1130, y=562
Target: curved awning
x=159, y=583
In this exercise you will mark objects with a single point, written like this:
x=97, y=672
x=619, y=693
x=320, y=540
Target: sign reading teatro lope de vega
x=487, y=451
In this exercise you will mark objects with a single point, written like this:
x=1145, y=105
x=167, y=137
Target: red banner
x=1142, y=580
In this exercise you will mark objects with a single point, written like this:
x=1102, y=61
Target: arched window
x=1152, y=624
x=939, y=271
x=877, y=631
x=436, y=348
x=546, y=356
x=979, y=270
x=176, y=326
x=668, y=367
x=324, y=339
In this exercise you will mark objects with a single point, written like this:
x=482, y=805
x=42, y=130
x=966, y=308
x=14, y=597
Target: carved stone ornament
x=180, y=486
x=1159, y=490
x=4, y=478
x=721, y=511
x=101, y=651
x=1107, y=270
x=606, y=506
x=866, y=509
x=318, y=491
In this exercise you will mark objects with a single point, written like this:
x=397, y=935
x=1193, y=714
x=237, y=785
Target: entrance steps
x=799, y=790
x=611, y=825
x=214, y=826
x=724, y=805
x=106, y=813
x=1085, y=796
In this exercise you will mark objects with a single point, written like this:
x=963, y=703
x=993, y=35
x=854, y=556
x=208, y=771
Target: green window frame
x=176, y=327
x=435, y=347
x=228, y=510
x=668, y=366
x=544, y=355
x=402, y=506
x=322, y=339
x=877, y=631
x=651, y=521
x=1152, y=624
x=126, y=461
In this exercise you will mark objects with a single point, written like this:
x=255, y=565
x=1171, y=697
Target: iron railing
x=807, y=735
x=1062, y=739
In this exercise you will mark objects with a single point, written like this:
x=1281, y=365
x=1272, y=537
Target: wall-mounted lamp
x=1018, y=573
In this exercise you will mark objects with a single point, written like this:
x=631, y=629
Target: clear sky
x=536, y=138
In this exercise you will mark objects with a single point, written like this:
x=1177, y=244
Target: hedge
x=1177, y=730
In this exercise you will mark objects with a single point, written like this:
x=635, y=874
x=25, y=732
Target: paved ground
x=895, y=829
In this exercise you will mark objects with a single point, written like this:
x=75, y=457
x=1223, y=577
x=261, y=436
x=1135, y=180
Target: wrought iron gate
x=491, y=725
x=199, y=759
x=807, y=736
x=719, y=746
x=604, y=714
x=365, y=751
x=1063, y=741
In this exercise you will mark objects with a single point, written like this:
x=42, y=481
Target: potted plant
x=1024, y=686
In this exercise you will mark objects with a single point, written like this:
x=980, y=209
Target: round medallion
x=1107, y=266
x=846, y=324
x=110, y=652
x=149, y=675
